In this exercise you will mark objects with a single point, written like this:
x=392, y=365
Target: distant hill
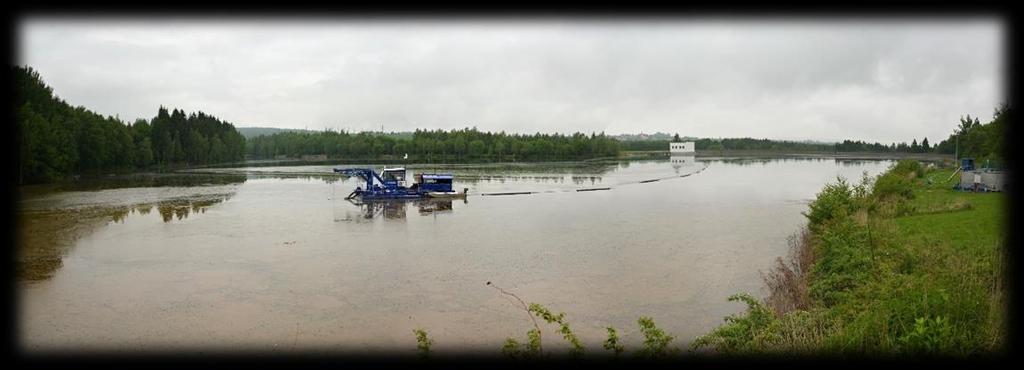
x=643, y=137
x=251, y=132
x=660, y=136
x=806, y=141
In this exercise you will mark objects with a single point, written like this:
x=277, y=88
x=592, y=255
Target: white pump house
x=682, y=148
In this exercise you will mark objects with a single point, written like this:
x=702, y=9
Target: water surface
x=272, y=258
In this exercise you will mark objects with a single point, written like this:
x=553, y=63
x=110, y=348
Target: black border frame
x=596, y=12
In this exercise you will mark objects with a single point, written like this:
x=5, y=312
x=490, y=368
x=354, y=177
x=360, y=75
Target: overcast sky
x=891, y=80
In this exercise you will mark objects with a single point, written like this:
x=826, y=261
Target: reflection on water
x=746, y=161
x=436, y=207
x=682, y=161
x=558, y=172
x=586, y=179
x=578, y=173
x=46, y=235
x=169, y=209
x=328, y=178
x=395, y=210
x=180, y=208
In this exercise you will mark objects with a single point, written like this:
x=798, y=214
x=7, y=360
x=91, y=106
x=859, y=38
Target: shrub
x=533, y=342
x=532, y=350
x=893, y=184
x=834, y=200
x=655, y=340
x=747, y=332
x=612, y=343
x=787, y=280
x=563, y=327
x=511, y=348
x=843, y=260
x=876, y=284
x=423, y=343
x=805, y=331
x=930, y=335
x=907, y=166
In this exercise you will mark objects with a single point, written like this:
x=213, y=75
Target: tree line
x=981, y=141
x=786, y=146
x=468, y=143
x=730, y=144
x=57, y=140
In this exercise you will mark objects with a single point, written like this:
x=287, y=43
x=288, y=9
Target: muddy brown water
x=273, y=259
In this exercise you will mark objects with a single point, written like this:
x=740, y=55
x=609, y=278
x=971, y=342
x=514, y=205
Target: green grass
x=957, y=257
x=910, y=267
x=977, y=227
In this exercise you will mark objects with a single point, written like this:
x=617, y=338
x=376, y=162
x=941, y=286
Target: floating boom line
x=593, y=189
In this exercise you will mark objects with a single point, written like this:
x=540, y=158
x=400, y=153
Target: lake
x=274, y=259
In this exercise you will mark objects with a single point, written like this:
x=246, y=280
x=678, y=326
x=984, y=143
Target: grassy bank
x=893, y=265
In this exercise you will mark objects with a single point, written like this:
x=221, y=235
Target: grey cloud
x=881, y=81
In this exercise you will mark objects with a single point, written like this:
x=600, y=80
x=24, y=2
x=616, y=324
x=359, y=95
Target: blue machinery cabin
x=390, y=184
x=434, y=182
x=973, y=178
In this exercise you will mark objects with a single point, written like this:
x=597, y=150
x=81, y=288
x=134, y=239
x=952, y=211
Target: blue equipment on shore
x=390, y=184
x=967, y=164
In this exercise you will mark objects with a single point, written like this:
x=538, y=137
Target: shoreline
x=791, y=154
x=625, y=156
x=882, y=267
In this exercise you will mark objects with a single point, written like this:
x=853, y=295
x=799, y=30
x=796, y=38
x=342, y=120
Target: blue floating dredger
x=390, y=184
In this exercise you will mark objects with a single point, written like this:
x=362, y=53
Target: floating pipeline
x=586, y=189
x=511, y=193
x=593, y=189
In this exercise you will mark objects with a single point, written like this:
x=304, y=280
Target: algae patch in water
x=45, y=236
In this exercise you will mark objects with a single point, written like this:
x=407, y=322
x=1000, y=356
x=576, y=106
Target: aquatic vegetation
x=423, y=343
x=612, y=343
x=46, y=235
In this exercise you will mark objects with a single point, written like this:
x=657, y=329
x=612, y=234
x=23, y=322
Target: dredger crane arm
x=363, y=173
